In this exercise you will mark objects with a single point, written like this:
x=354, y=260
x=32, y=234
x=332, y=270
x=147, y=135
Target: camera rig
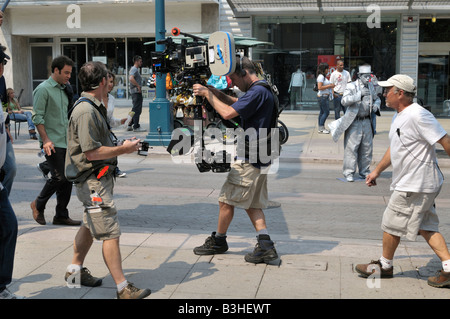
x=196, y=55
x=193, y=60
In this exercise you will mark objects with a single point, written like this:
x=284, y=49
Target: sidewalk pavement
x=162, y=259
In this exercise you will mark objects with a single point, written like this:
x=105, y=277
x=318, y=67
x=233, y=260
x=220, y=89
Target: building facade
x=410, y=37
x=111, y=31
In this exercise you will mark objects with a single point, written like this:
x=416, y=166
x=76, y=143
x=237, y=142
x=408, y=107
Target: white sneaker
x=324, y=131
x=349, y=178
x=6, y=294
x=119, y=173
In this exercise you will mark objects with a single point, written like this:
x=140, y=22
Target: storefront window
x=300, y=44
x=111, y=51
x=434, y=71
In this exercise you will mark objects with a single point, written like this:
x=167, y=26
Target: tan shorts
x=407, y=213
x=245, y=187
x=102, y=223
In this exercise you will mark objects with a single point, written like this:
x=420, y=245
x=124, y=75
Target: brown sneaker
x=37, y=215
x=374, y=267
x=131, y=292
x=85, y=279
x=441, y=280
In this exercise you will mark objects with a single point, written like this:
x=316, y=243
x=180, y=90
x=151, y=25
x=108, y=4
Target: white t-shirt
x=340, y=80
x=324, y=81
x=413, y=135
x=297, y=79
x=113, y=122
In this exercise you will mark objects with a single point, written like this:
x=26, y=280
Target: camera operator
x=246, y=185
x=90, y=163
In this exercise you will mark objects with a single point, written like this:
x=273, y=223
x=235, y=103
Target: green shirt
x=50, y=104
x=87, y=131
x=12, y=106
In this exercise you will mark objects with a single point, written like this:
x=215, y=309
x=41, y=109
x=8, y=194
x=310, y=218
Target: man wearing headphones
x=416, y=180
x=246, y=184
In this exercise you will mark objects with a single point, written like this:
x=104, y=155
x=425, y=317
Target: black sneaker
x=85, y=278
x=213, y=245
x=264, y=251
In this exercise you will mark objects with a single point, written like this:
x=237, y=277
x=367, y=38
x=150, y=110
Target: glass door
x=77, y=52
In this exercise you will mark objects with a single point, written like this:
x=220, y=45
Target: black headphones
x=241, y=66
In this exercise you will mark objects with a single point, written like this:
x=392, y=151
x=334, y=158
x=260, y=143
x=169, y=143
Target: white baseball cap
x=401, y=81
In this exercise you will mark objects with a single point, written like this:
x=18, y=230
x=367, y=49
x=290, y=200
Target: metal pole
x=160, y=34
x=161, y=122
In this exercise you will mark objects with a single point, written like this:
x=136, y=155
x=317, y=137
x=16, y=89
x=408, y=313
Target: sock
x=73, y=268
x=220, y=234
x=446, y=265
x=122, y=285
x=385, y=263
x=263, y=232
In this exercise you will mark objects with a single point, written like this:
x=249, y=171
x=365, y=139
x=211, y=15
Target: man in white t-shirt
x=416, y=180
x=339, y=78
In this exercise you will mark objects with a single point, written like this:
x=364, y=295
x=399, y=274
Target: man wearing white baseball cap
x=400, y=81
x=416, y=180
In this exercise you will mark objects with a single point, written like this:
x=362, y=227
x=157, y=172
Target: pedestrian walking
x=136, y=94
x=90, y=164
x=50, y=105
x=324, y=96
x=416, y=180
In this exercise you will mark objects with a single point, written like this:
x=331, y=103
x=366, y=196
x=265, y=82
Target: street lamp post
x=161, y=123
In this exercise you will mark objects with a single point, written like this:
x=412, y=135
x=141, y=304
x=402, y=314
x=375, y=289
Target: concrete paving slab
x=172, y=219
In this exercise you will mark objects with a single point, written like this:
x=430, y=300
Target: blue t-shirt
x=255, y=109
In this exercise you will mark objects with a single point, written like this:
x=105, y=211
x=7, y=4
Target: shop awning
x=240, y=42
x=16, y=3
x=280, y=7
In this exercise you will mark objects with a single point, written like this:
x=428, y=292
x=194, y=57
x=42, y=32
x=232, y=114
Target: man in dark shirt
x=246, y=184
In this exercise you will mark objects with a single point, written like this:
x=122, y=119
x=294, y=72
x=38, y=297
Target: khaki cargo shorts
x=408, y=212
x=245, y=187
x=101, y=222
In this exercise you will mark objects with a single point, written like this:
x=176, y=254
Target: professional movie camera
x=196, y=55
x=193, y=61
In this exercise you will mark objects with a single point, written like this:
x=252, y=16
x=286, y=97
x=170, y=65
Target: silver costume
x=360, y=98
